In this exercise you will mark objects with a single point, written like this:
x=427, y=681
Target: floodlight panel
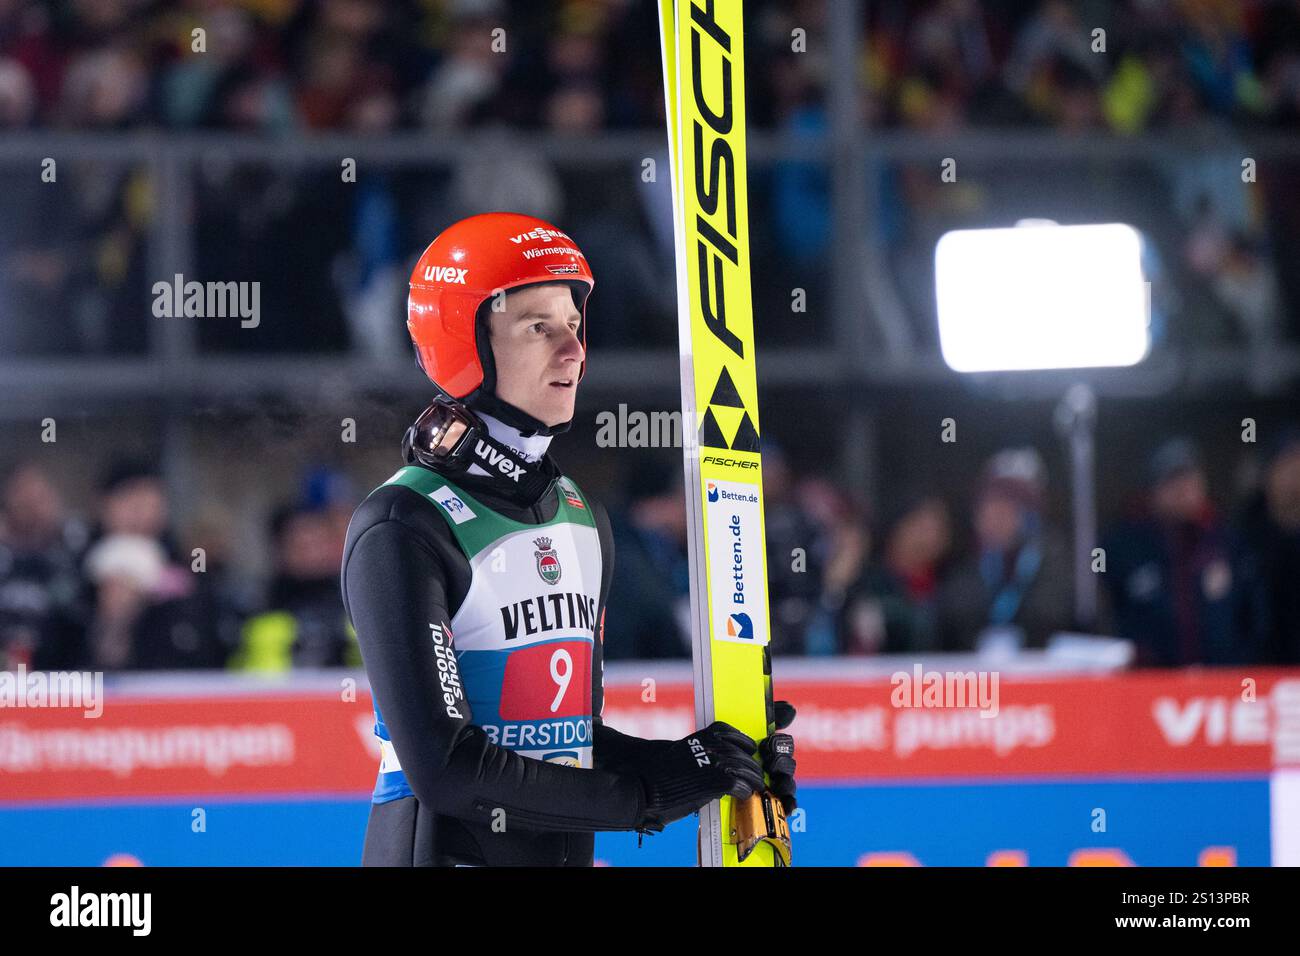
x=1041, y=297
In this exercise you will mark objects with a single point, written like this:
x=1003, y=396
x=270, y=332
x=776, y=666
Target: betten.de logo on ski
x=735, y=558
x=739, y=625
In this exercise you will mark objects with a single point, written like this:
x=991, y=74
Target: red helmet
x=471, y=261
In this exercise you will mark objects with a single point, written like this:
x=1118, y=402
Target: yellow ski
x=703, y=57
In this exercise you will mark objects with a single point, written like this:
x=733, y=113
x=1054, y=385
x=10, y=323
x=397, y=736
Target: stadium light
x=1045, y=296
x=1041, y=296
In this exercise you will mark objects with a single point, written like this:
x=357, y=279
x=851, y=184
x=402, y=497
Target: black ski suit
x=403, y=570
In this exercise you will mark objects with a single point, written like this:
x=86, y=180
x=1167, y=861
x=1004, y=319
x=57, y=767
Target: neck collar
x=530, y=448
x=453, y=440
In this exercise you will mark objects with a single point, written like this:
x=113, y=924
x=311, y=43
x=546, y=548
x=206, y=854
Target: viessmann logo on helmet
x=546, y=235
x=448, y=274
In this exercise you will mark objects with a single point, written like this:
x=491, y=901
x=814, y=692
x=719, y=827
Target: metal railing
x=174, y=367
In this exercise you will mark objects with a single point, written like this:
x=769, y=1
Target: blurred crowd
x=1189, y=576
x=373, y=65
x=1185, y=578
x=119, y=589
x=1122, y=65
x=370, y=68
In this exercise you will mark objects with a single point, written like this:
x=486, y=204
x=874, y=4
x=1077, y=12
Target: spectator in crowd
x=1180, y=585
x=133, y=501
x=1217, y=57
x=105, y=89
x=124, y=571
x=1016, y=588
x=221, y=599
x=796, y=555
x=939, y=65
x=42, y=607
x=373, y=269
x=1053, y=44
x=76, y=252
x=649, y=608
x=229, y=85
x=151, y=610
x=17, y=96
x=464, y=85
x=1276, y=51
x=150, y=614
x=841, y=547
x=892, y=606
x=1271, y=525
x=302, y=622
x=330, y=491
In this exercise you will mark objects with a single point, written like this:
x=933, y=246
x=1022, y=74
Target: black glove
x=777, y=752
x=683, y=775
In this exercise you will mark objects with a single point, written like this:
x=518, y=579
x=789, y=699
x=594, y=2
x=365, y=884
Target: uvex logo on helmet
x=445, y=274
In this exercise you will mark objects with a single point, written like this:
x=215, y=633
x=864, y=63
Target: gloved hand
x=683, y=775
x=777, y=753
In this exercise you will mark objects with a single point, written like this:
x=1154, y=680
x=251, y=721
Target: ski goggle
x=442, y=430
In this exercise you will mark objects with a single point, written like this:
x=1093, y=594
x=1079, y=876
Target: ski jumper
x=479, y=620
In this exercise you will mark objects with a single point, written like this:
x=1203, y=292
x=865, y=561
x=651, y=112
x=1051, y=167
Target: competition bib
x=523, y=636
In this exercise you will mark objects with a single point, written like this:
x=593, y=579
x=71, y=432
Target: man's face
x=997, y=521
x=310, y=547
x=925, y=534
x=1181, y=497
x=31, y=504
x=137, y=507
x=537, y=352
